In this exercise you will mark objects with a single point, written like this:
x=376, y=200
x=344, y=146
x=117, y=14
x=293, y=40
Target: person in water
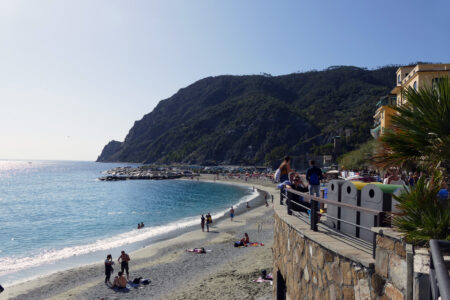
x=232, y=213
x=108, y=268
x=123, y=260
x=139, y=226
x=142, y=225
x=120, y=281
x=202, y=223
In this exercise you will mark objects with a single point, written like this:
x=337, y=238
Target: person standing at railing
x=300, y=186
x=314, y=176
x=285, y=169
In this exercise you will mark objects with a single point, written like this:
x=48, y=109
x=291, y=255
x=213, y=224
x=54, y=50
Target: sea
x=56, y=215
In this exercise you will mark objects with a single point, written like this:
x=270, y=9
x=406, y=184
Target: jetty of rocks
x=129, y=173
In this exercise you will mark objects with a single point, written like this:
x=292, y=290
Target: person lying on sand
x=120, y=281
x=197, y=250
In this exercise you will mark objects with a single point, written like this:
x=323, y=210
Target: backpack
x=276, y=176
x=314, y=179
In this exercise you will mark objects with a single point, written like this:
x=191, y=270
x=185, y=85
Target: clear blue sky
x=77, y=74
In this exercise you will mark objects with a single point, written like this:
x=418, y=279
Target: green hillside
x=256, y=119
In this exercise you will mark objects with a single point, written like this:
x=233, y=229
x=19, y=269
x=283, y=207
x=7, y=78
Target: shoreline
x=132, y=240
x=68, y=284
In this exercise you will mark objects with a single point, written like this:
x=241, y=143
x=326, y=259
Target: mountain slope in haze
x=255, y=119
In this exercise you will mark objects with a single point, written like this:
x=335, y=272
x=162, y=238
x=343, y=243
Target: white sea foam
x=14, y=264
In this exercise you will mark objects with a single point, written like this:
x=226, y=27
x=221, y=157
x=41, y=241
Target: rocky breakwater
x=129, y=173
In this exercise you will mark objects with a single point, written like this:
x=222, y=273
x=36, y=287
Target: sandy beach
x=224, y=272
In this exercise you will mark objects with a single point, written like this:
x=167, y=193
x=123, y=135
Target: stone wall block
x=348, y=293
x=315, y=281
x=397, y=271
x=381, y=262
x=318, y=295
x=306, y=275
x=326, y=294
x=328, y=256
x=346, y=273
x=400, y=249
x=377, y=283
x=332, y=291
x=362, y=290
x=393, y=293
x=303, y=261
x=328, y=271
x=310, y=292
x=336, y=274
x=319, y=258
x=339, y=294
x=385, y=243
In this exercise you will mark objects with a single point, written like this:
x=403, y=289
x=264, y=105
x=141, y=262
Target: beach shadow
x=213, y=231
x=236, y=221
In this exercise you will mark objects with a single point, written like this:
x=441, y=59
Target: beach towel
x=137, y=282
x=259, y=280
x=267, y=279
x=254, y=244
x=117, y=290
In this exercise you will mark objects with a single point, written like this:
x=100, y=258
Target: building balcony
x=375, y=132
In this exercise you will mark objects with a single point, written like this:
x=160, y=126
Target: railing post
x=289, y=203
x=313, y=215
x=374, y=237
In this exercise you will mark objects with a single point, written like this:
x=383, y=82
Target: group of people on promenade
x=290, y=179
x=310, y=182
x=206, y=220
x=119, y=281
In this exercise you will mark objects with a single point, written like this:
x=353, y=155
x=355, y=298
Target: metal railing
x=314, y=214
x=439, y=278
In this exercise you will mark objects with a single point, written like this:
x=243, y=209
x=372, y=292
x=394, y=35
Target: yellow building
x=418, y=76
x=382, y=117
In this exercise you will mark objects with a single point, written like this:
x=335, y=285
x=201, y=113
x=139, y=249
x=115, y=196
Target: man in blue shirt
x=314, y=176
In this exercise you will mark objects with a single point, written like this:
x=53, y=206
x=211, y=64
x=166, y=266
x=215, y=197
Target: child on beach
x=108, y=268
x=232, y=213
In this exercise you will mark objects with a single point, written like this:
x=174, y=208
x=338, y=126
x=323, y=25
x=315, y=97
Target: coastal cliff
x=256, y=119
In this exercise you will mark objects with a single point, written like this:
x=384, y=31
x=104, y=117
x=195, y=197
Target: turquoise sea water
x=52, y=211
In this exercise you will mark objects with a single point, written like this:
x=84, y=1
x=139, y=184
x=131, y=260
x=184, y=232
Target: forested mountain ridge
x=256, y=119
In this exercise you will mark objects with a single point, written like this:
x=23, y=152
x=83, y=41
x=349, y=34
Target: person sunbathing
x=120, y=281
x=197, y=250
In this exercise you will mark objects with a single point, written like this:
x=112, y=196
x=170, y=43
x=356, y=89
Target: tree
x=359, y=158
x=420, y=135
x=421, y=129
x=423, y=216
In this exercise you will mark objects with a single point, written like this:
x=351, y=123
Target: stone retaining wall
x=316, y=270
